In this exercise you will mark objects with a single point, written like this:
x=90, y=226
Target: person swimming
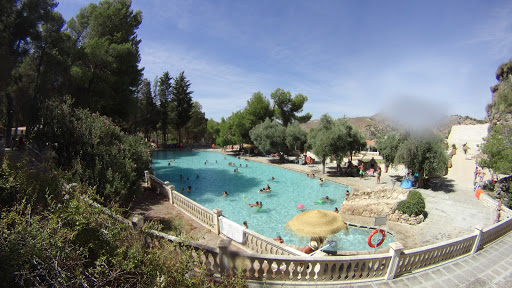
x=278, y=239
x=257, y=204
x=224, y=194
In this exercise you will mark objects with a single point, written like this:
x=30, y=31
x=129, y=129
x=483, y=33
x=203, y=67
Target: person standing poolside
x=498, y=211
x=379, y=172
x=482, y=175
x=361, y=171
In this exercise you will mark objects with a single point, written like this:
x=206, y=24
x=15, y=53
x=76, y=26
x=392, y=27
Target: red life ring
x=308, y=159
x=382, y=232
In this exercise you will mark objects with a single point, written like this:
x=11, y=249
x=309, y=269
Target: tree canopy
x=105, y=67
x=388, y=145
x=425, y=154
x=286, y=107
x=498, y=150
x=269, y=136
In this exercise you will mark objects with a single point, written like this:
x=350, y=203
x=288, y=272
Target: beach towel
x=231, y=229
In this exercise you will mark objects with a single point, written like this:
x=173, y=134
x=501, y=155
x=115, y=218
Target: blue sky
x=351, y=58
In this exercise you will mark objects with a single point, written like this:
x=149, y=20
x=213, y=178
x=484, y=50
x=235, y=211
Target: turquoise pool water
x=289, y=189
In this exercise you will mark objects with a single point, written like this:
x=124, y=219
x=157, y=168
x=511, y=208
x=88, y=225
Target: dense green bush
x=414, y=205
x=94, y=151
x=19, y=182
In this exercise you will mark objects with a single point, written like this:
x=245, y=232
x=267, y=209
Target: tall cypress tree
x=181, y=103
x=164, y=96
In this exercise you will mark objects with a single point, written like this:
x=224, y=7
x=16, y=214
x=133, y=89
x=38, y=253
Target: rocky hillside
x=374, y=126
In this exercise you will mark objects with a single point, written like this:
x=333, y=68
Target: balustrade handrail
x=438, y=245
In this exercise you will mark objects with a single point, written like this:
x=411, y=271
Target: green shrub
x=414, y=205
x=94, y=151
x=74, y=244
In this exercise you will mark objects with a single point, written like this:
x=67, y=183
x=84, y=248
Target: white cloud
x=496, y=32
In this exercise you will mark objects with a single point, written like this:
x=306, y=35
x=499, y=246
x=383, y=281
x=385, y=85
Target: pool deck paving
x=453, y=211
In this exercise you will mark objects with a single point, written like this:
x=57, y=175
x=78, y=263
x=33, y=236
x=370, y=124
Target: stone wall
x=400, y=217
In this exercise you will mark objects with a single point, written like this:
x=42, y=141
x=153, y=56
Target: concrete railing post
x=146, y=177
x=217, y=213
x=223, y=245
x=478, y=233
x=170, y=189
x=395, y=249
x=137, y=222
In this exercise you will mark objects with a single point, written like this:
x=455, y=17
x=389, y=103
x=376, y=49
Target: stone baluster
x=395, y=249
x=223, y=245
x=478, y=233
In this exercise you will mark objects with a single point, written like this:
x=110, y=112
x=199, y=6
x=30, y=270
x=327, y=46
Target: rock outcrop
x=373, y=203
x=378, y=203
x=499, y=110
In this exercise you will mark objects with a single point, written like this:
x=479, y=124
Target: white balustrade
x=276, y=263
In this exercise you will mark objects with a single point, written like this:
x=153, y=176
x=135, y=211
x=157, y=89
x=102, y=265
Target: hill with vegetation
x=378, y=125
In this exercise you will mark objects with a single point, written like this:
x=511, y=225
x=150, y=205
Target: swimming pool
x=209, y=174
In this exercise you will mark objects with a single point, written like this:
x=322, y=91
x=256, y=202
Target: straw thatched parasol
x=316, y=223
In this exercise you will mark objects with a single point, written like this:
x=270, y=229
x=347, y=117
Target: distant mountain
x=374, y=126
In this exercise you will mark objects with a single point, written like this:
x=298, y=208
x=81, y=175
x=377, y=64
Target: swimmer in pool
x=257, y=204
x=224, y=194
x=278, y=239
